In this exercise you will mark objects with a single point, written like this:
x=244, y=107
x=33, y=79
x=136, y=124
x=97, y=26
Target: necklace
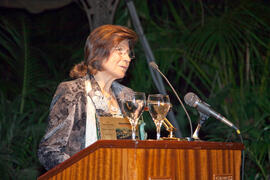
x=113, y=108
x=111, y=102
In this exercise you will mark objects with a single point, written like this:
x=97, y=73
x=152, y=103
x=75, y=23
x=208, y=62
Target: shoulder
x=120, y=90
x=117, y=87
x=69, y=89
x=73, y=84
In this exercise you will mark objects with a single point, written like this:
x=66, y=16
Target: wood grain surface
x=151, y=160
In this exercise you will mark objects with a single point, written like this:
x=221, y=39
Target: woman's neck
x=104, y=81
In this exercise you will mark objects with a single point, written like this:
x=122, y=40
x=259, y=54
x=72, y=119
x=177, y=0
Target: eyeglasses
x=122, y=52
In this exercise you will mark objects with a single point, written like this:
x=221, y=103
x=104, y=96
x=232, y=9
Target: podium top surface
x=167, y=144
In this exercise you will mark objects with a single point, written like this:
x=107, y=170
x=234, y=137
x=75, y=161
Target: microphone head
x=191, y=99
x=153, y=65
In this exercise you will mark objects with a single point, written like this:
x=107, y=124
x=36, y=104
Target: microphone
x=193, y=100
x=155, y=66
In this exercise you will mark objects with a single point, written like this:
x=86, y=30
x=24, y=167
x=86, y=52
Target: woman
x=73, y=123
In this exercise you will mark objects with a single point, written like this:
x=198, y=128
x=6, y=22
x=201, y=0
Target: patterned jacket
x=65, y=134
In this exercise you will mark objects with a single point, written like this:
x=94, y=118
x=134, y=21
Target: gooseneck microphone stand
x=150, y=57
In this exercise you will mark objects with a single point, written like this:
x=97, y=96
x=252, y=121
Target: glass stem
x=158, y=132
x=133, y=128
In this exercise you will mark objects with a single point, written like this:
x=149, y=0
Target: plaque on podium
x=113, y=128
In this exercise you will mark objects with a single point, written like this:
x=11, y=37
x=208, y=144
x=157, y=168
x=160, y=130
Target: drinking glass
x=133, y=107
x=159, y=105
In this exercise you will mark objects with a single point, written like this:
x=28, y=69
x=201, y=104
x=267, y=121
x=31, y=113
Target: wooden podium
x=151, y=160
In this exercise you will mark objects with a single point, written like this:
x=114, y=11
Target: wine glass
x=133, y=107
x=159, y=105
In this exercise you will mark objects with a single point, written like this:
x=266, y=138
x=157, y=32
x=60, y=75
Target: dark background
x=216, y=49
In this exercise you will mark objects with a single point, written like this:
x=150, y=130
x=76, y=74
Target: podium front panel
x=152, y=160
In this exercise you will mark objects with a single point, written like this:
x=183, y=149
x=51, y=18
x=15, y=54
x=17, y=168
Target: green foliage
x=220, y=51
x=21, y=123
x=29, y=77
x=20, y=134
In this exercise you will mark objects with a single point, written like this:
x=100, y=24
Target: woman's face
x=118, y=62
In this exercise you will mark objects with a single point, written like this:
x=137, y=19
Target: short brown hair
x=98, y=46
